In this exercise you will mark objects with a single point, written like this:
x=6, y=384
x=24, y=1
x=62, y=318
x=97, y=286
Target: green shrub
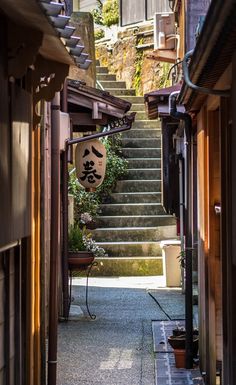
x=76, y=239
x=116, y=167
x=97, y=13
x=99, y=34
x=110, y=12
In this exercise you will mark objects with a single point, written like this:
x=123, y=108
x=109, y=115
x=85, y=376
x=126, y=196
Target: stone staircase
x=132, y=225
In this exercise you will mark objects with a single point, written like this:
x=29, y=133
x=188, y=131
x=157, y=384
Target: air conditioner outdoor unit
x=164, y=31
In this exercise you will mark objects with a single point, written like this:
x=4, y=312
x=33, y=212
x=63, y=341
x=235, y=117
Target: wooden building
x=34, y=63
x=212, y=66
x=210, y=103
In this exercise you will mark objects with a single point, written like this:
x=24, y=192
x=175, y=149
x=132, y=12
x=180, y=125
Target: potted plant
x=177, y=342
x=82, y=248
x=79, y=257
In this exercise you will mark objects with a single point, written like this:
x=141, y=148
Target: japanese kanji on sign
x=90, y=163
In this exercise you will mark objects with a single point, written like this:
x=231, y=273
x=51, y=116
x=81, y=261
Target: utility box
x=171, y=265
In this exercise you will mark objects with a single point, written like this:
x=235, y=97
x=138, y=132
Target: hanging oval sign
x=90, y=163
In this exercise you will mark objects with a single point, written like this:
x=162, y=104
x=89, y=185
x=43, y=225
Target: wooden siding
x=228, y=184
x=202, y=238
x=15, y=164
x=11, y=318
x=210, y=256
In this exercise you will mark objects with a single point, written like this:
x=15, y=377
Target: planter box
x=79, y=260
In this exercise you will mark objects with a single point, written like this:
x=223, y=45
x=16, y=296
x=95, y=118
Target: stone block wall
x=129, y=58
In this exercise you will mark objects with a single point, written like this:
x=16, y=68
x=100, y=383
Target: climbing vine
x=163, y=81
x=138, y=68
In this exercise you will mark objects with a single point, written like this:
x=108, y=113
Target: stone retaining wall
x=128, y=58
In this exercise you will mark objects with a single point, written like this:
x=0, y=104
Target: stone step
x=138, y=185
x=144, y=162
x=102, y=77
x=141, y=142
x=132, y=234
x=142, y=173
x=133, y=209
x=121, y=91
x=101, y=70
x=141, y=152
x=143, y=197
x=133, y=99
x=126, y=267
x=131, y=249
x=137, y=107
x=107, y=85
x=135, y=221
x=146, y=124
x=142, y=133
x=141, y=115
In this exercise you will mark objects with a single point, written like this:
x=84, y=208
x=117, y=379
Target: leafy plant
x=99, y=34
x=106, y=14
x=84, y=202
x=76, y=239
x=80, y=240
x=116, y=167
x=182, y=258
x=94, y=248
x=110, y=12
x=97, y=13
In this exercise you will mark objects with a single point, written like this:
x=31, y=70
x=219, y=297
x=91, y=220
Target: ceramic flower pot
x=79, y=260
x=179, y=358
x=178, y=342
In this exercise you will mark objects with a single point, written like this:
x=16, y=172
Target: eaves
x=213, y=52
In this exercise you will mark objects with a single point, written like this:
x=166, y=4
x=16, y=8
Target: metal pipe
x=188, y=229
x=181, y=211
x=9, y=246
x=65, y=270
x=65, y=180
x=55, y=239
x=208, y=91
x=99, y=135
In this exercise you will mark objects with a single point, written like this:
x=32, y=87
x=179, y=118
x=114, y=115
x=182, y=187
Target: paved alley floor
x=117, y=347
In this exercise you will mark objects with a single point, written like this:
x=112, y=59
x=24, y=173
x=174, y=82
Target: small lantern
x=90, y=163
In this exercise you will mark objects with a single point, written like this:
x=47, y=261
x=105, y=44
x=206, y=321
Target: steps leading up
x=133, y=222
x=141, y=142
x=136, y=197
x=143, y=173
x=132, y=209
x=132, y=234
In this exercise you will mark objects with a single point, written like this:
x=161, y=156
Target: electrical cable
x=167, y=315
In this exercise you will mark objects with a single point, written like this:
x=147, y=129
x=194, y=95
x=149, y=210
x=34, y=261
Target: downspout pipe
x=55, y=240
x=98, y=135
x=188, y=228
x=181, y=209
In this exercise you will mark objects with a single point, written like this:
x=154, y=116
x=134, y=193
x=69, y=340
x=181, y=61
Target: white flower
x=85, y=218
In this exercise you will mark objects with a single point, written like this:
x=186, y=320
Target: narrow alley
x=117, y=347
